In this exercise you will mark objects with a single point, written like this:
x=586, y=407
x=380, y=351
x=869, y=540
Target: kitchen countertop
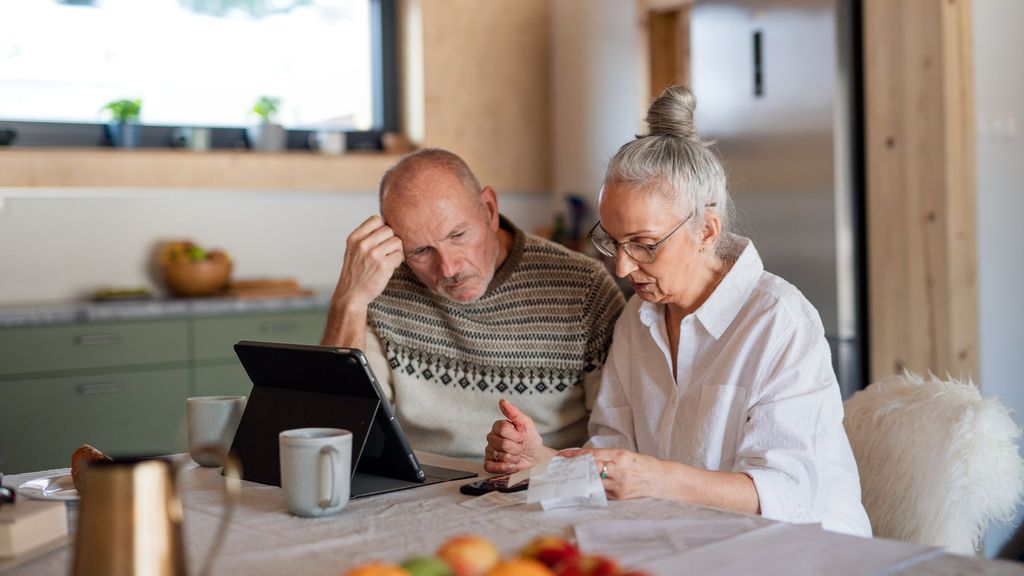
x=42, y=314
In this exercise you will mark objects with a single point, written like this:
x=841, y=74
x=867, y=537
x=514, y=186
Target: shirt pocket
x=722, y=412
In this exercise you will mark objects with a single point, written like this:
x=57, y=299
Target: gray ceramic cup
x=316, y=470
x=212, y=421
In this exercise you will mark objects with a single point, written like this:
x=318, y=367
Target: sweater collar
x=515, y=255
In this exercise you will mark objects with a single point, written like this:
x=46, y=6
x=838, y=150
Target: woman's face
x=677, y=274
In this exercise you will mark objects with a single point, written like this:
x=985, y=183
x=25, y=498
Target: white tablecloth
x=265, y=539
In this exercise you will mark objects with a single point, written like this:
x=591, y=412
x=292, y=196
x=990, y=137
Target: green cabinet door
x=43, y=420
x=91, y=345
x=215, y=337
x=222, y=380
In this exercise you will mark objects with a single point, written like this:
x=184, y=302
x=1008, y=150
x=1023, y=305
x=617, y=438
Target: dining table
x=263, y=538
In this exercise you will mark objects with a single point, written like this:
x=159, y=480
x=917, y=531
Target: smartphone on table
x=494, y=483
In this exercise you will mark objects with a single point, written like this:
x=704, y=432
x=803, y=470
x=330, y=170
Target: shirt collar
x=721, y=308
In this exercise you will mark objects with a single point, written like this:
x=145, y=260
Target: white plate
x=59, y=487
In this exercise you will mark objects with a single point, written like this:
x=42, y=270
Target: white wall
x=999, y=110
x=61, y=244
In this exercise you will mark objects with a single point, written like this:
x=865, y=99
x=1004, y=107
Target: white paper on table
x=794, y=550
x=565, y=482
x=634, y=542
x=493, y=500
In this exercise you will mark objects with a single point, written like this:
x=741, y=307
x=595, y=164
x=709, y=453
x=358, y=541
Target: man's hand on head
x=372, y=254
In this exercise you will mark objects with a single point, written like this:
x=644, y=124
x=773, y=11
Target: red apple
x=550, y=550
x=587, y=566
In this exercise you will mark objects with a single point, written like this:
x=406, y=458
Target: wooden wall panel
x=668, y=47
x=920, y=187
x=486, y=69
x=154, y=168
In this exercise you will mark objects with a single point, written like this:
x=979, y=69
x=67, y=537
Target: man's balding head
x=404, y=176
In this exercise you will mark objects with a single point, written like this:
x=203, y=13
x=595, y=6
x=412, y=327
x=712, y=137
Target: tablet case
x=300, y=386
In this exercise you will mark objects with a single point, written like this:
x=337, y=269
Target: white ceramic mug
x=212, y=421
x=316, y=470
x=327, y=142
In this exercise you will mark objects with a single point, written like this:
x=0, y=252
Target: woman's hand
x=514, y=443
x=627, y=474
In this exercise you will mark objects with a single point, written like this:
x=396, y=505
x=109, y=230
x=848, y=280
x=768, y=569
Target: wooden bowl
x=200, y=278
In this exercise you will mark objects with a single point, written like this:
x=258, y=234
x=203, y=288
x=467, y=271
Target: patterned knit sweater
x=537, y=337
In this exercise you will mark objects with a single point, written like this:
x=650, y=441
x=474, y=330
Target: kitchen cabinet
x=91, y=345
x=43, y=420
x=67, y=384
x=224, y=380
x=215, y=337
x=217, y=370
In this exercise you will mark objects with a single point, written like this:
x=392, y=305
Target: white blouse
x=754, y=392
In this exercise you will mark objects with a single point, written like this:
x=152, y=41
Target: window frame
x=384, y=75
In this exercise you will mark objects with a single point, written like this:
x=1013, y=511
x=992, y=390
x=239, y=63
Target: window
x=195, y=63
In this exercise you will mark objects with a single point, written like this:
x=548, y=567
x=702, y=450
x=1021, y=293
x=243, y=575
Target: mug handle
x=330, y=457
x=232, y=488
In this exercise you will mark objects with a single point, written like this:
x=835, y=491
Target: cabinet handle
x=101, y=388
x=97, y=339
x=278, y=327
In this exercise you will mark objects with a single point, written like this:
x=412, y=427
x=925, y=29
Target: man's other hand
x=514, y=444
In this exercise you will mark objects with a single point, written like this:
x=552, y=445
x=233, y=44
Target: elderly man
x=455, y=308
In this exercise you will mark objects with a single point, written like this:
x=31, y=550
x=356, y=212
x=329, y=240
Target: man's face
x=449, y=235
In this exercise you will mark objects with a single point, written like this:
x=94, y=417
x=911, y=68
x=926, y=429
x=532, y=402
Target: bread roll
x=81, y=458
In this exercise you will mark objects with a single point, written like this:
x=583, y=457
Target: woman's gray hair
x=674, y=162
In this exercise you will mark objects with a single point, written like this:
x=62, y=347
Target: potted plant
x=268, y=134
x=124, y=130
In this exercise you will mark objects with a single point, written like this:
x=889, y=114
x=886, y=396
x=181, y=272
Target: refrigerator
x=778, y=88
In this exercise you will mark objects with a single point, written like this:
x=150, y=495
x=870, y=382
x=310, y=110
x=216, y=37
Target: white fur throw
x=937, y=461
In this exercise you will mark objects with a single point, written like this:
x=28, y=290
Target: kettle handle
x=232, y=488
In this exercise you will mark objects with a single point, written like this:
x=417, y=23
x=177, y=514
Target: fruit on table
x=469, y=555
x=427, y=566
x=520, y=567
x=378, y=569
x=550, y=550
x=587, y=566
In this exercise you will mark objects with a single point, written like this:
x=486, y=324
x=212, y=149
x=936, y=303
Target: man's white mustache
x=448, y=282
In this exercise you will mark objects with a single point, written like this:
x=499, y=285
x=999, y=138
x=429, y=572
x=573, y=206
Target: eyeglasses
x=642, y=253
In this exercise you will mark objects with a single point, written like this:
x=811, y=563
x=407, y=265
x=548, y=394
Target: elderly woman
x=718, y=388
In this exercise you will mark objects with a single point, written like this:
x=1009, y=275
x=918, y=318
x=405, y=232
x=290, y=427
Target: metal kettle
x=129, y=520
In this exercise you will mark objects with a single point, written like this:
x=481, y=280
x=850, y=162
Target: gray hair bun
x=671, y=114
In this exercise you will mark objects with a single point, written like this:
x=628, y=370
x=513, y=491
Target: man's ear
x=490, y=199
